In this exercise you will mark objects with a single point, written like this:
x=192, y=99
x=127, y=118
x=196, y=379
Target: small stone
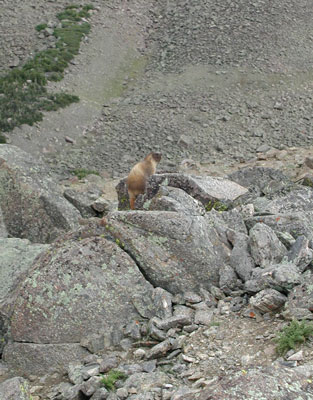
x=160, y=350
x=140, y=353
x=122, y=393
x=309, y=162
x=188, y=359
x=69, y=139
x=204, y=317
x=108, y=363
x=191, y=297
x=296, y=357
x=149, y=366
x=89, y=387
x=90, y=370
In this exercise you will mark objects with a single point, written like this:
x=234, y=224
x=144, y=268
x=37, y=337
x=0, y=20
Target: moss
x=23, y=93
x=82, y=172
x=292, y=335
x=41, y=27
x=110, y=379
x=216, y=205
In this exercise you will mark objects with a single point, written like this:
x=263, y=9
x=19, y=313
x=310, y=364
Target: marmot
x=137, y=178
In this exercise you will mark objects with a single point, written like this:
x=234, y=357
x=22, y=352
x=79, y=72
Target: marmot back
x=137, y=178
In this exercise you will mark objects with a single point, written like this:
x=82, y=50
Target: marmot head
x=155, y=156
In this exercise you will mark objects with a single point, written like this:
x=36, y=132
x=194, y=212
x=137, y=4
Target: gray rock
x=108, y=363
x=91, y=386
x=149, y=366
x=122, y=393
x=204, y=317
x=31, y=203
x=282, y=277
x=82, y=270
x=3, y=229
x=191, y=297
x=258, y=383
x=74, y=373
x=300, y=302
x=94, y=342
x=268, y=300
x=100, y=394
x=261, y=181
x=90, y=370
x=229, y=280
x=144, y=382
x=265, y=247
x=132, y=330
x=168, y=246
x=40, y=359
x=155, y=332
x=300, y=254
x=174, y=322
x=15, y=389
x=210, y=191
x=240, y=259
x=295, y=201
x=296, y=224
x=101, y=205
x=83, y=201
x=162, y=303
x=175, y=199
x=160, y=350
x=16, y=258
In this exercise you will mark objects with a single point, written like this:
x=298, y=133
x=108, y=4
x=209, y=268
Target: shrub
x=293, y=334
x=110, y=379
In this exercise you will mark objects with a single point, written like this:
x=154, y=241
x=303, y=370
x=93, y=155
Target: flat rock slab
x=32, y=205
x=174, y=251
x=207, y=189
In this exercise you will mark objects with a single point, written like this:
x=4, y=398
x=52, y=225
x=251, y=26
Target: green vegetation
x=23, y=93
x=81, y=173
x=41, y=27
x=110, y=379
x=216, y=205
x=292, y=335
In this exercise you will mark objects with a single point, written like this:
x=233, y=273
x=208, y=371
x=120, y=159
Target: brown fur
x=137, y=178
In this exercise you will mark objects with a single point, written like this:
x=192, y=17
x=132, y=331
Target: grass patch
x=81, y=173
x=23, y=93
x=110, y=379
x=293, y=335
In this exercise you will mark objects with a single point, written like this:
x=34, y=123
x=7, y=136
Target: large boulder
x=32, y=204
x=84, y=285
x=212, y=192
x=16, y=258
x=174, y=251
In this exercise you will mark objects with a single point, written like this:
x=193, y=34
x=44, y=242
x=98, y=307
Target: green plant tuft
x=216, y=205
x=23, y=93
x=41, y=27
x=81, y=173
x=110, y=379
x=292, y=335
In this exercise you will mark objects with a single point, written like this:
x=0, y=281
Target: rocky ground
x=212, y=86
